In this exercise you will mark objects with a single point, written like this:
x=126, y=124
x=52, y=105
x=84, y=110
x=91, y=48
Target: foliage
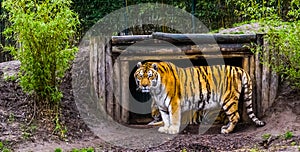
x=1, y=145
x=8, y=77
x=59, y=128
x=286, y=43
x=293, y=143
x=183, y=150
x=282, y=30
x=266, y=136
x=213, y=13
x=254, y=150
x=288, y=135
x=3, y=148
x=92, y=10
x=83, y=150
x=44, y=33
x=58, y=150
x=28, y=131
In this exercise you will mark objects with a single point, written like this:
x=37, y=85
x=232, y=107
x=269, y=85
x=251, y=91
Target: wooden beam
x=252, y=75
x=129, y=39
x=266, y=73
x=245, y=66
x=186, y=38
x=178, y=57
x=117, y=89
x=109, y=79
x=274, y=82
x=258, y=76
x=187, y=49
x=205, y=38
x=101, y=70
x=125, y=91
x=94, y=64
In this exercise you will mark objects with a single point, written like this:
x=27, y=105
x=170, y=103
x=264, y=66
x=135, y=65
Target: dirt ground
x=18, y=135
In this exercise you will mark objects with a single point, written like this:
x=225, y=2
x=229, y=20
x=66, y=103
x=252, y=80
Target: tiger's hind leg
x=231, y=111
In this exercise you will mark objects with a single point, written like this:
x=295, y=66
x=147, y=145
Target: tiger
x=176, y=90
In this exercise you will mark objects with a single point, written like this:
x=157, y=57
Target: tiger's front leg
x=175, y=118
x=171, y=119
x=166, y=119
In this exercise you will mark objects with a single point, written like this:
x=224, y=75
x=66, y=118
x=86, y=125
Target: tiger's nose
x=144, y=85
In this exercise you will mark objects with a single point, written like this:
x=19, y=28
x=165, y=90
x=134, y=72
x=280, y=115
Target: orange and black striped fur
x=214, y=116
x=177, y=90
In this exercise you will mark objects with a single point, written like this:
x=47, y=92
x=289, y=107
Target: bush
x=44, y=33
x=285, y=43
x=282, y=33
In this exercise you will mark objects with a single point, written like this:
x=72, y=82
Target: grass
x=288, y=135
x=266, y=136
x=76, y=150
x=12, y=78
x=3, y=148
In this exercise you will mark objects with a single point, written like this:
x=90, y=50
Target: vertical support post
x=125, y=91
x=94, y=64
x=101, y=49
x=109, y=79
x=245, y=66
x=258, y=80
x=274, y=80
x=265, y=89
x=252, y=75
x=117, y=90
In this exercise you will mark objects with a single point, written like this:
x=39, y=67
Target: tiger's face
x=146, y=76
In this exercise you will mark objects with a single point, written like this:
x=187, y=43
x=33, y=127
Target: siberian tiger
x=176, y=90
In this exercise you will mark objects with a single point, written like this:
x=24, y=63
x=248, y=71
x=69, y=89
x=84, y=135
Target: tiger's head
x=146, y=76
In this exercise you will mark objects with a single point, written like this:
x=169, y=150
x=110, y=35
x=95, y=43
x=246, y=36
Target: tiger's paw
x=225, y=130
x=260, y=123
x=173, y=130
x=163, y=129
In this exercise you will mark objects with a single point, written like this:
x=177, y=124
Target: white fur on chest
x=160, y=97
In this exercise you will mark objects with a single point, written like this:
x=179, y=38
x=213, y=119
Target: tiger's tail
x=247, y=85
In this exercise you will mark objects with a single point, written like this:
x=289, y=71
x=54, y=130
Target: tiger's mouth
x=145, y=90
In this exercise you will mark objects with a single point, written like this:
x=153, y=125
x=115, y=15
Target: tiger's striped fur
x=177, y=90
x=214, y=116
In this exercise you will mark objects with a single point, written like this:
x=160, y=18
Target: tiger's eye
x=141, y=74
x=150, y=74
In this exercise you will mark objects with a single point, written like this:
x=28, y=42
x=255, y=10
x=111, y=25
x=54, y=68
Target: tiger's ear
x=154, y=66
x=139, y=64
